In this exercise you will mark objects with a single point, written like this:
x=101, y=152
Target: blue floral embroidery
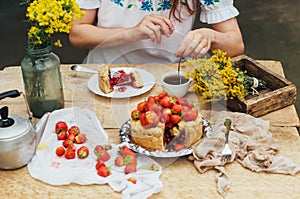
x=118, y=2
x=210, y=2
x=147, y=6
x=164, y=5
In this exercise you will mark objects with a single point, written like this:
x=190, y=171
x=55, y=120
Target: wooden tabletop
x=180, y=178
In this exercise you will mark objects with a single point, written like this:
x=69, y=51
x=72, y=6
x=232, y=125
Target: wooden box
x=279, y=93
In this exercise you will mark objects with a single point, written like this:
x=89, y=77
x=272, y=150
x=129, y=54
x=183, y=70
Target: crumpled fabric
x=252, y=145
x=50, y=169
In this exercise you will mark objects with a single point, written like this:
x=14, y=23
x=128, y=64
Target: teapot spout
x=40, y=127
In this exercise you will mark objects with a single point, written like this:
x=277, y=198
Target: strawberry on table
x=99, y=164
x=103, y=155
x=67, y=142
x=119, y=161
x=124, y=150
x=80, y=138
x=61, y=126
x=60, y=151
x=62, y=135
x=83, y=152
x=103, y=171
x=130, y=168
x=74, y=130
x=71, y=137
x=70, y=152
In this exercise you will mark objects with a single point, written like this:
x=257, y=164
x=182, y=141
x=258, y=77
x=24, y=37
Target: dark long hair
x=177, y=5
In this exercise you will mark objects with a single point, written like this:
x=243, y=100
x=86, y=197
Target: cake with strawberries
x=165, y=123
x=108, y=79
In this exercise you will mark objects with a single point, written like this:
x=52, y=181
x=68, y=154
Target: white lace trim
x=212, y=16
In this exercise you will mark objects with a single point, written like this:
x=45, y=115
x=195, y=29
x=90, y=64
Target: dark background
x=270, y=28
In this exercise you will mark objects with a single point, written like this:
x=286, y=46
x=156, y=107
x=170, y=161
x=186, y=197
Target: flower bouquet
x=40, y=66
x=216, y=78
x=47, y=17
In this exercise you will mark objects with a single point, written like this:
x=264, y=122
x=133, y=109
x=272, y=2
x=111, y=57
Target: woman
x=155, y=31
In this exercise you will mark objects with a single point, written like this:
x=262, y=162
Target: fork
x=227, y=152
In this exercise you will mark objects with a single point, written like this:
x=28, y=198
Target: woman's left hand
x=196, y=43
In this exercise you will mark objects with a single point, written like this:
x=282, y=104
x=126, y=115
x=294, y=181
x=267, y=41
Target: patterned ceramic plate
x=125, y=138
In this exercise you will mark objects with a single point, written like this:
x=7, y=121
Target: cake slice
x=104, y=79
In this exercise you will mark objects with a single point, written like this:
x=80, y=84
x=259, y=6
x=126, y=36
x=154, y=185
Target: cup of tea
x=174, y=83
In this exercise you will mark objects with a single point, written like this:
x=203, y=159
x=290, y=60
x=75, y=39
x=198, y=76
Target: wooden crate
x=279, y=94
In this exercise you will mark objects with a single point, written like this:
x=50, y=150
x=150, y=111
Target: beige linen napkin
x=251, y=142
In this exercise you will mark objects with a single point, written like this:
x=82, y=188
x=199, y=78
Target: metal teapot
x=18, y=136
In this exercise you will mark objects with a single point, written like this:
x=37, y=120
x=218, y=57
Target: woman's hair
x=177, y=5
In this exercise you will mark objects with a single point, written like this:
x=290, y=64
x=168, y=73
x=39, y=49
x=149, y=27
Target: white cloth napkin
x=49, y=168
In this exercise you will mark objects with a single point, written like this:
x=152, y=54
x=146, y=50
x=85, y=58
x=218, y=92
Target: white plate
x=147, y=78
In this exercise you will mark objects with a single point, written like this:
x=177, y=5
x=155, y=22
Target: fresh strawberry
x=71, y=137
x=62, y=135
x=135, y=114
x=161, y=95
x=67, y=142
x=80, y=138
x=190, y=115
x=174, y=100
x=70, y=152
x=143, y=119
x=97, y=149
x=176, y=108
x=83, y=152
x=103, y=171
x=130, y=168
x=119, y=161
x=61, y=126
x=107, y=147
x=151, y=100
x=74, y=130
x=131, y=179
x=165, y=118
x=165, y=101
x=124, y=150
x=175, y=119
x=129, y=159
x=103, y=155
x=99, y=164
x=178, y=147
x=60, y=151
x=142, y=106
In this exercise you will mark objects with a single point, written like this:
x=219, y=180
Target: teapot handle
x=11, y=93
x=16, y=93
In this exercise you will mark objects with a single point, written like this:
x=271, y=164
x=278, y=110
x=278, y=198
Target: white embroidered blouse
x=128, y=13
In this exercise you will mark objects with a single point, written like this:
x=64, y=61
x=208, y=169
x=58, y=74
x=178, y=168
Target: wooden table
x=180, y=178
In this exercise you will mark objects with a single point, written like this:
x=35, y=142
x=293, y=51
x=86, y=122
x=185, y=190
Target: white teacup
x=170, y=83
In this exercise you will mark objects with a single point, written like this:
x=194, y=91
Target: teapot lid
x=13, y=125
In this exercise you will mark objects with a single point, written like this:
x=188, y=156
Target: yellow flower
x=58, y=43
x=216, y=78
x=48, y=17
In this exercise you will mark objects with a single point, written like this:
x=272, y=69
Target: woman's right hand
x=152, y=27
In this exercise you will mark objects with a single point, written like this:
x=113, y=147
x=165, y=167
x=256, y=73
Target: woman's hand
x=152, y=27
x=196, y=43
